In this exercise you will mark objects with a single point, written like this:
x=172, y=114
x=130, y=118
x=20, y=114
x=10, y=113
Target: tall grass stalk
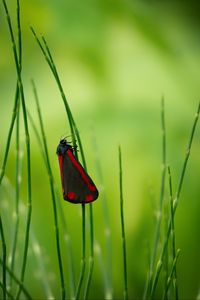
x=82, y=271
x=20, y=85
x=10, y=131
x=123, y=226
x=63, y=292
x=7, y=292
x=173, y=234
x=17, y=181
x=171, y=274
x=18, y=282
x=175, y=202
x=162, y=192
x=2, y=172
x=60, y=211
x=75, y=134
x=91, y=257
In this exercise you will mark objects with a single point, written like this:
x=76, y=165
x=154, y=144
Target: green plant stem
x=162, y=191
x=52, y=194
x=91, y=258
x=171, y=275
x=20, y=85
x=52, y=66
x=176, y=200
x=82, y=271
x=123, y=226
x=19, y=283
x=1, y=178
x=173, y=234
x=64, y=224
x=75, y=134
x=14, y=113
x=156, y=277
x=17, y=180
x=7, y=292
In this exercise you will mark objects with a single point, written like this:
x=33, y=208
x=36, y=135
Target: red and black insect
x=77, y=185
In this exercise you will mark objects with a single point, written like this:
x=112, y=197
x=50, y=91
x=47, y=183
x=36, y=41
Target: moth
x=77, y=185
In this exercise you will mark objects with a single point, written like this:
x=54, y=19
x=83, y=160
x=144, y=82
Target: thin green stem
x=175, y=202
x=91, y=258
x=171, y=274
x=173, y=234
x=20, y=85
x=64, y=224
x=2, y=175
x=52, y=193
x=82, y=271
x=2, y=172
x=162, y=191
x=17, y=180
x=186, y=158
x=75, y=134
x=19, y=283
x=14, y=113
x=52, y=66
x=7, y=292
x=123, y=226
x=156, y=277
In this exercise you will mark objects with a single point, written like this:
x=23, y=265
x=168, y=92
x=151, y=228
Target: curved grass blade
x=46, y=152
x=75, y=134
x=64, y=224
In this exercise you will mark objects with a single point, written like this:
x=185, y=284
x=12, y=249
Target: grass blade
x=123, y=226
x=82, y=271
x=64, y=224
x=162, y=191
x=171, y=275
x=75, y=134
x=173, y=234
x=7, y=292
x=63, y=292
x=91, y=257
x=9, y=271
x=20, y=85
x=175, y=202
x=17, y=180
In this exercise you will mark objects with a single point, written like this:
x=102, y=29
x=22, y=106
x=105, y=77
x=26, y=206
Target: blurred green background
x=116, y=59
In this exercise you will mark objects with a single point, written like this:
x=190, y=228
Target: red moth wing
x=77, y=185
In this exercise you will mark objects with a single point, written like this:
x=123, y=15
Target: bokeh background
x=116, y=59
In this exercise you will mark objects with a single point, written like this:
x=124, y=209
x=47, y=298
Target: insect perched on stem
x=77, y=186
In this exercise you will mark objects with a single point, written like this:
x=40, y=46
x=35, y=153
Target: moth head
x=63, y=147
